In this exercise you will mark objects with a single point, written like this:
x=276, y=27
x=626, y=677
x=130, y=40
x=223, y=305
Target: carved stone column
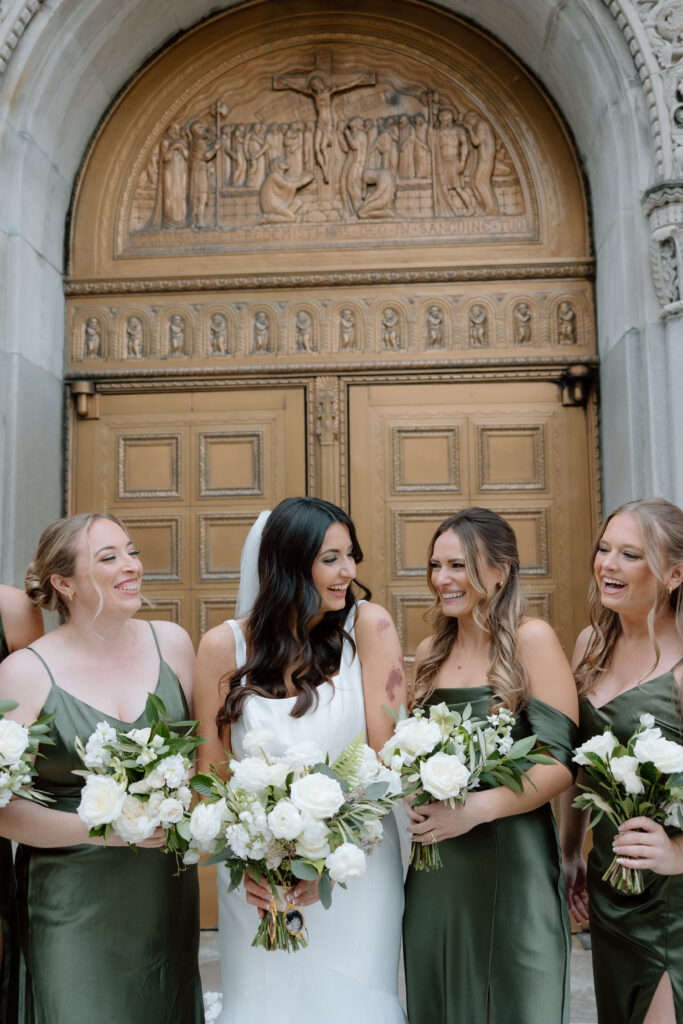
x=663, y=205
x=327, y=434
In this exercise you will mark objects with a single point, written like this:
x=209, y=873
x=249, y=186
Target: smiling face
x=450, y=580
x=334, y=567
x=108, y=571
x=625, y=581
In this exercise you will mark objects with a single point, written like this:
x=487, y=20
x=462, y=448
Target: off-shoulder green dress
x=109, y=934
x=10, y=958
x=487, y=938
x=635, y=938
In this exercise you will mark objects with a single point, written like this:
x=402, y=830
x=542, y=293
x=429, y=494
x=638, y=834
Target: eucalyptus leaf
x=376, y=790
x=325, y=890
x=306, y=872
x=8, y=705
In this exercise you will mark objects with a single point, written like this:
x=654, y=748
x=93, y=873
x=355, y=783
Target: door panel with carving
x=419, y=454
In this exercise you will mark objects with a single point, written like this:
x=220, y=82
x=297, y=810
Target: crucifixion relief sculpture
x=329, y=146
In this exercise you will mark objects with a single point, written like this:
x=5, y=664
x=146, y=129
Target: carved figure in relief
x=275, y=140
x=566, y=324
x=238, y=156
x=278, y=193
x=390, y=323
x=322, y=88
x=354, y=143
x=387, y=144
x=203, y=148
x=304, y=331
x=172, y=188
x=423, y=155
x=380, y=195
x=347, y=330
x=434, y=327
x=92, y=348
x=406, y=147
x=293, y=145
x=479, y=331
x=134, y=338
x=261, y=331
x=218, y=328
x=483, y=139
x=522, y=317
x=309, y=151
x=176, y=336
x=452, y=150
x=669, y=265
x=256, y=149
x=226, y=155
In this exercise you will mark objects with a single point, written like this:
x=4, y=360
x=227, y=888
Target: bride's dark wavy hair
x=278, y=630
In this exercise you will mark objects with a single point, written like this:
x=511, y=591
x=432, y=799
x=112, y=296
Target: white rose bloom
x=13, y=741
x=647, y=720
x=346, y=863
x=101, y=800
x=317, y=795
x=174, y=770
x=285, y=821
x=313, y=841
x=184, y=794
x=205, y=823
x=191, y=857
x=306, y=753
x=444, y=775
x=157, y=741
x=133, y=823
x=625, y=769
x=417, y=736
x=155, y=779
x=664, y=754
x=140, y=736
x=170, y=812
x=388, y=751
x=254, y=775
x=142, y=786
x=256, y=740
x=370, y=767
x=602, y=745
x=238, y=841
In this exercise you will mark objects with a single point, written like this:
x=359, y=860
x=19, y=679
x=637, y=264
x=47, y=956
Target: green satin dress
x=635, y=939
x=109, y=934
x=9, y=974
x=487, y=938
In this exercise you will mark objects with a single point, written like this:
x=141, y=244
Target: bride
x=309, y=661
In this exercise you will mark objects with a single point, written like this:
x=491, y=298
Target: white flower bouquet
x=291, y=817
x=643, y=778
x=18, y=748
x=445, y=754
x=138, y=781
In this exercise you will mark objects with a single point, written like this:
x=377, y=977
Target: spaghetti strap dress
x=349, y=970
x=635, y=939
x=9, y=972
x=487, y=938
x=109, y=934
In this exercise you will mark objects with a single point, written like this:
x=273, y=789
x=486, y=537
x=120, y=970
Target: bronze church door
x=351, y=259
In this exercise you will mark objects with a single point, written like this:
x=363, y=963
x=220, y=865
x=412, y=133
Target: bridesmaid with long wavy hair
x=629, y=662
x=20, y=625
x=486, y=938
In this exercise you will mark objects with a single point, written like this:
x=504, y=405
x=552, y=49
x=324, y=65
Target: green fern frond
x=347, y=765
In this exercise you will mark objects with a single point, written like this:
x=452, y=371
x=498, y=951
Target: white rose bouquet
x=445, y=754
x=291, y=817
x=642, y=778
x=18, y=748
x=138, y=781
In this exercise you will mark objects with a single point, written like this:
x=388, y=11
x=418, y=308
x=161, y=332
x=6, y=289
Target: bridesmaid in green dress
x=20, y=625
x=108, y=934
x=630, y=662
x=486, y=938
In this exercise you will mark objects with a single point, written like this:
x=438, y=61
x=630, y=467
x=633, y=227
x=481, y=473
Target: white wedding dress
x=348, y=973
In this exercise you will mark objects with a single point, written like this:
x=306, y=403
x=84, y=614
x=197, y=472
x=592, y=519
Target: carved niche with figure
x=350, y=144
